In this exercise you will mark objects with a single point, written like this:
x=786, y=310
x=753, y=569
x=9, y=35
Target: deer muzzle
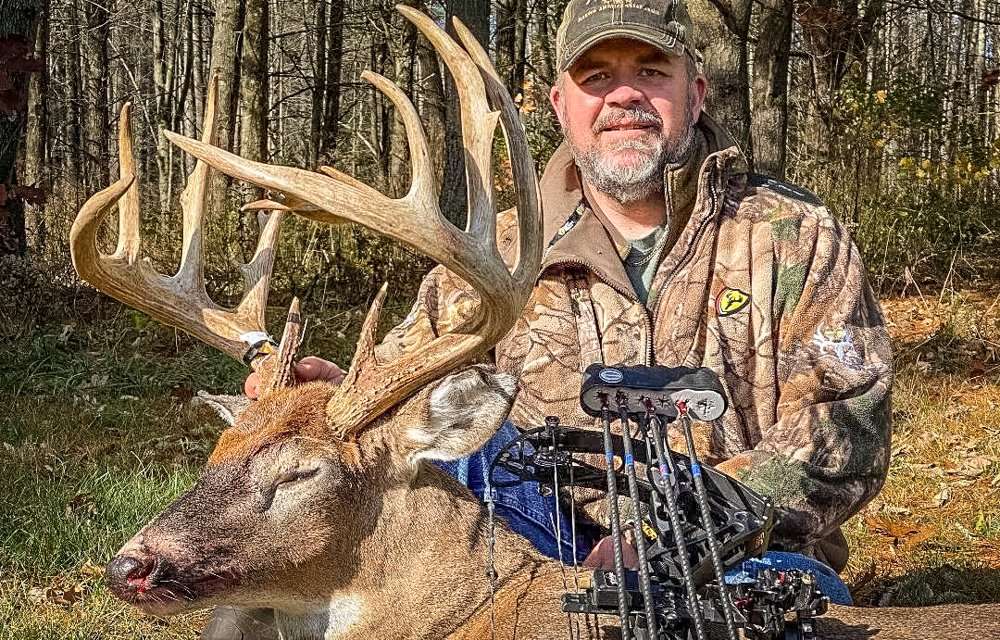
x=147, y=581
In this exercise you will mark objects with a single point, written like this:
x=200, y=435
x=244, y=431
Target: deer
x=320, y=501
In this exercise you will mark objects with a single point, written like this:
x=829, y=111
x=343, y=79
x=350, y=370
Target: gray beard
x=637, y=182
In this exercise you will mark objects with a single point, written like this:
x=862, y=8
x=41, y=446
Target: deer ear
x=228, y=407
x=463, y=411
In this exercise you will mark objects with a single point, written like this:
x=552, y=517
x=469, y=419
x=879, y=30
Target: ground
x=97, y=435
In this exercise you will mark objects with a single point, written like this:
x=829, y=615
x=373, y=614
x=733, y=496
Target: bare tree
x=35, y=168
x=723, y=28
x=94, y=44
x=769, y=113
x=17, y=29
x=224, y=66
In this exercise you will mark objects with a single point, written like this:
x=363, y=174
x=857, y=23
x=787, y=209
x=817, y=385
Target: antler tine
x=128, y=205
x=478, y=125
x=257, y=272
x=395, y=218
x=522, y=166
x=191, y=275
x=179, y=300
x=422, y=188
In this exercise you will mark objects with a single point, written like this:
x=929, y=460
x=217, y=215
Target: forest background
x=888, y=109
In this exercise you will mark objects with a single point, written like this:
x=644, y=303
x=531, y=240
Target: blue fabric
x=827, y=579
x=526, y=511
x=533, y=515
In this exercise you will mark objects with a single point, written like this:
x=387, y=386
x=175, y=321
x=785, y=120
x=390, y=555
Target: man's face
x=627, y=110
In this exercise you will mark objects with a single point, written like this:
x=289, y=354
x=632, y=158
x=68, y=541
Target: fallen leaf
x=81, y=505
x=973, y=467
x=60, y=591
x=942, y=497
x=91, y=569
x=900, y=534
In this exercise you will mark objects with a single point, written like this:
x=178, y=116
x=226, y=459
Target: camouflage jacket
x=762, y=285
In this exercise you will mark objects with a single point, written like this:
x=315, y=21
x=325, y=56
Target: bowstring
x=572, y=527
x=556, y=522
x=491, y=572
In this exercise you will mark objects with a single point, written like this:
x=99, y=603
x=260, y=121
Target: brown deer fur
x=377, y=544
x=320, y=502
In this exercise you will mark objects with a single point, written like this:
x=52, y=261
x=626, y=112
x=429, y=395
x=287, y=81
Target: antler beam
x=416, y=220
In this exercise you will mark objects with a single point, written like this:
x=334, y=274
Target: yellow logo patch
x=731, y=301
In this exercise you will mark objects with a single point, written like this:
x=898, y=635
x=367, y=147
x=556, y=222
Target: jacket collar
x=589, y=241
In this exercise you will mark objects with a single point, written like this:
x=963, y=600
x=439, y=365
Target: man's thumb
x=251, y=386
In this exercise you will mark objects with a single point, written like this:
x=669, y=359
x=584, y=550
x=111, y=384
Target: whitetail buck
x=319, y=501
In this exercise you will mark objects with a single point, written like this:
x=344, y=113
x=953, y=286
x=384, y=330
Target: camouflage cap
x=665, y=24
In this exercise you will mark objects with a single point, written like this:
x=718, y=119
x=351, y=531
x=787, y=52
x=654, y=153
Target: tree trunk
x=97, y=165
x=769, y=122
x=319, y=83
x=475, y=14
x=35, y=174
x=432, y=106
x=398, y=149
x=254, y=82
x=163, y=69
x=74, y=132
x=546, y=43
x=723, y=28
x=224, y=66
x=17, y=30
x=512, y=19
x=331, y=98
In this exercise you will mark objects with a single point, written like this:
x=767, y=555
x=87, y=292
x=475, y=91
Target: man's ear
x=700, y=87
x=556, y=100
x=228, y=407
x=463, y=411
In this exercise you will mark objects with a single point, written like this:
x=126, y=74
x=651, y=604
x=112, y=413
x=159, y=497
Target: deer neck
x=422, y=569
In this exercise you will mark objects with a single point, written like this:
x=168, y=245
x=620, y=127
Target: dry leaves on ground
x=67, y=590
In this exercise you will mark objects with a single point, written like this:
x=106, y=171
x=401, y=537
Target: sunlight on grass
x=933, y=534
x=100, y=436
x=60, y=518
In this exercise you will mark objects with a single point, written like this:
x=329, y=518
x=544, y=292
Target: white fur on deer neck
x=337, y=621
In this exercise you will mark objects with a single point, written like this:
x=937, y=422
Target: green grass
x=97, y=436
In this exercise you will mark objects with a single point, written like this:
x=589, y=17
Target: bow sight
x=690, y=522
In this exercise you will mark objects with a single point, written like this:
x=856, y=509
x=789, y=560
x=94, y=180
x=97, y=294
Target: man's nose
x=624, y=94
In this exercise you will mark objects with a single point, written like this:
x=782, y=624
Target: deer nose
x=130, y=572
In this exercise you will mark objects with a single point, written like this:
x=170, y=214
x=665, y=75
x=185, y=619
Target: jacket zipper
x=648, y=318
x=651, y=316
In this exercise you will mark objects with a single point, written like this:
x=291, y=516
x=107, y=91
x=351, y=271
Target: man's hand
x=603, y=555
x=306, y=370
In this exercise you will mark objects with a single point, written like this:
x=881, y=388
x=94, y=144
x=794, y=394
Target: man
x=665, y=250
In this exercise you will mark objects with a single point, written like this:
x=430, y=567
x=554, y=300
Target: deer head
x=300, y=491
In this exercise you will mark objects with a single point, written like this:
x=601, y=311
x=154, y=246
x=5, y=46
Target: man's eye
x=649, y=73
x=594, y=77
x=294, y=475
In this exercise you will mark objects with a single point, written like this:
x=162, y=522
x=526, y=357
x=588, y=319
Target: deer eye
x=294, y=475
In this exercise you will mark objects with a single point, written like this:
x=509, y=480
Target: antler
x=415, y=219
x=179, y=300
